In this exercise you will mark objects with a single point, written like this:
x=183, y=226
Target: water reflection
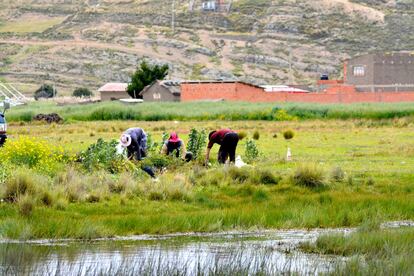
x=268, y=252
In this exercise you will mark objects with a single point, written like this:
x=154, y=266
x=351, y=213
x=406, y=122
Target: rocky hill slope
x=74, y=43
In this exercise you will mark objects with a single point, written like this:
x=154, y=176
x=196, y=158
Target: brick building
x=389, y=72
x=231, y=91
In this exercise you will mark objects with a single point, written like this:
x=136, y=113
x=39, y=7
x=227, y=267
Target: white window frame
x=156, y=96
x=358, y=71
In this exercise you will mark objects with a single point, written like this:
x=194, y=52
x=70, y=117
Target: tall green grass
x=204, y=111
x=375, y=252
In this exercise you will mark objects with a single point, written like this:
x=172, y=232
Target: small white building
x=208, y=5
x=113, y=91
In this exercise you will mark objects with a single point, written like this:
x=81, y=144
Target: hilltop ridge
x=76, y=43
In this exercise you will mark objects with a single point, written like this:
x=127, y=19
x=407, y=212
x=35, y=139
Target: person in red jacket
x=227, y=139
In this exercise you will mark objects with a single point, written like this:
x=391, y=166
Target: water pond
x=267, y=252
x=237, y=252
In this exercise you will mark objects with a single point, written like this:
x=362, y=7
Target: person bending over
x=135, y=141
x=174, y=145
x=227, y=139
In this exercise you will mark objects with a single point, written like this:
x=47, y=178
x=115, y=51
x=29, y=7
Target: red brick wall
x=247, y=93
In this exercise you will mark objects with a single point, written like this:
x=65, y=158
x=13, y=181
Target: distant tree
x=145, y=75
x=45, y=91
x=82, y=92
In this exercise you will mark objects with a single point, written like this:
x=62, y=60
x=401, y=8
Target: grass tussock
x=20, y=184
x=337, y=174
x=26, y=205
x=309, y=175
x=46, y=198
x=375, y=252
x=235, y=176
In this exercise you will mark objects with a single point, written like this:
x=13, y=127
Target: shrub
x=242, y=135
x=34, y=153
x=73, y=184
x=160, y=161
x=370, y=181
x=4, y=172
x=103, y=156
x=171, y=187
x=337, y=174
x=82, y=92
x=267, y=177
x=116, y=187
x=288, y=134
x=93, y=198
x=309, y=176
x=46, y=198
x=45, y=91
x=251, y=151
x=196, y=142
x=256, y=135
x=61, y=204
x=239, y=175
x=20, y=184
x=26, y=205
x=282, y=115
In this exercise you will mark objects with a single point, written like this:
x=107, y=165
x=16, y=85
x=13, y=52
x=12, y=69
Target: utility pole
x=173, y=17
x=290, y=66
x=191, y=5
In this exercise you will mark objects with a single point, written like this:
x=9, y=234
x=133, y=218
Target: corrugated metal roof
x=220, y=81
x=282, y=88
x=171, y=85
x=114, y=87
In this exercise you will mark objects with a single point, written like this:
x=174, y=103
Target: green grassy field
x=35, y=25
x=344, y=173
x=206, y=111
x=377, y=163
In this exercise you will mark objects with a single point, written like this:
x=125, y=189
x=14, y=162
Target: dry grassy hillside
x=87, y=43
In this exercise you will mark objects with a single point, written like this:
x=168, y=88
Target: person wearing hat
x=135, y=141
x=227, y=139
x=175, y=145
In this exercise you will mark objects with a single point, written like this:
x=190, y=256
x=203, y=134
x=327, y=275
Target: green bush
x=309, y=176
x=103, y=156
x=196, y=142
x=288, y=134
x=45, y=91
x=160, y=161
x=256, y=135
x=251, y=151
x=82, y=92
x=242, y=135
